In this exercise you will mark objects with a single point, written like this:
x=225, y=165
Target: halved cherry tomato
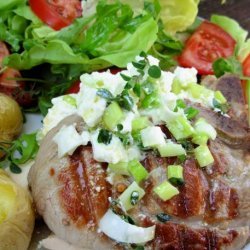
x=57, y=13
x=75, y=87
x=208, y=43
x=11, y=87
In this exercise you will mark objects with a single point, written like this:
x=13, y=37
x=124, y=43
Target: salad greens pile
x=113, y=35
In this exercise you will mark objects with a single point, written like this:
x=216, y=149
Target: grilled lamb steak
x=212, y=210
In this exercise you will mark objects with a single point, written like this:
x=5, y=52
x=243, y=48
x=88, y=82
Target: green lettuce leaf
x=54, y=52
x=120, y=54
x=10, y=4
x=115, y=37
x=177, y=15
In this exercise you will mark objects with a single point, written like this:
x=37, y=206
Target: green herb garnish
x=104, y=137
x=154, y=71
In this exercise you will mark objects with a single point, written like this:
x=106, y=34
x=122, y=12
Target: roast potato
x=16, y=215
x=11, y=120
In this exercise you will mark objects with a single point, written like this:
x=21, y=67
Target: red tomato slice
x=208, y=43
x=56, y=13
x=75, y=87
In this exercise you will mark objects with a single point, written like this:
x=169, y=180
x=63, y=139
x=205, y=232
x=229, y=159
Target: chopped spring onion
x=203, y=128
x=166, y=191
x=175, y=174
x=170, y=149
x=203, y=155
x=197, y=90
x=119, y=168
x=150, y=101
x=179, y=104
x=112, y=115
x=180, y=127
x=191, y=112
x=176, y=87
x=136, y=169
x=70, y=100
x=129, y=198
x=117, y=229
x=152, y=136
x=200, y=139
x=140, y=123
x=220, y=97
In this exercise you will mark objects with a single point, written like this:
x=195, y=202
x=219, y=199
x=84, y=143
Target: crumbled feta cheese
x=112, y=153
x=127, y=122
x=185, y=75
x=91, y=106
x=67, y=140
x=166, y=81
x=112, y=82
x=85, y=137
x=57, y=113
x=134, y=153
x=152, y=136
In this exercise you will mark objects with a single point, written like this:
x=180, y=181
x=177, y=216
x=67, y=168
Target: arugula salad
x=47, y=45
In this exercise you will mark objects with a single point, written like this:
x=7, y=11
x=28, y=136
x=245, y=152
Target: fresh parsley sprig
x=19, y=151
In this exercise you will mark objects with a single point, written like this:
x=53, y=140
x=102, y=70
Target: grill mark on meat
x=171, y=235
x=222, y=202
x=220, y=162
x=77, y=195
